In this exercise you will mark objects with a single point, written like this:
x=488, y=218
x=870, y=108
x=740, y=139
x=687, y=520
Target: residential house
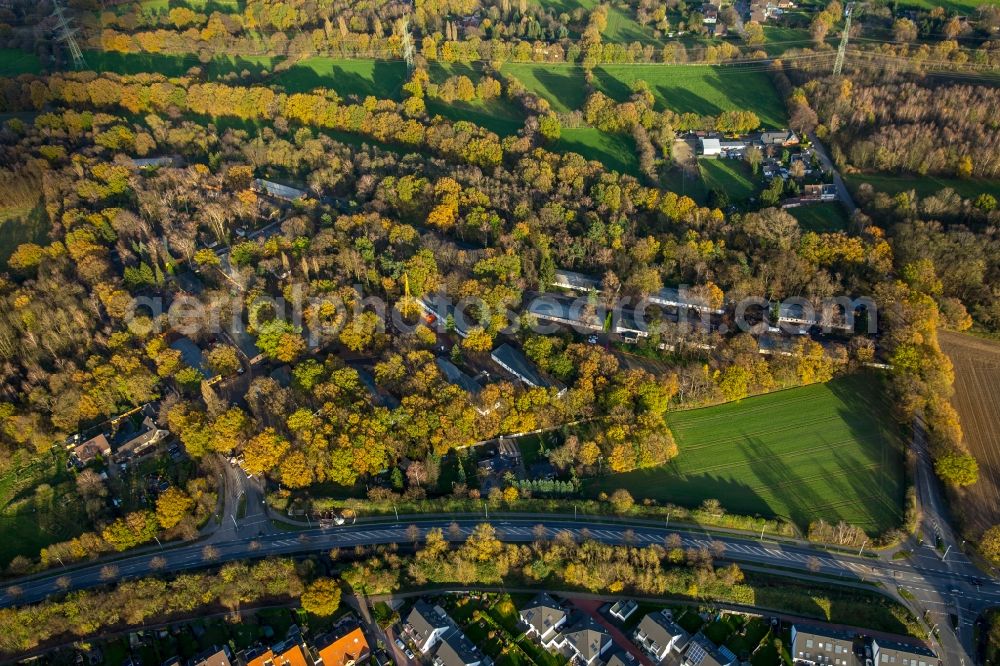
x=544, y=617
x=710, y=13
x=587, y=640
x=576, y=281
x=824, y=192
x=133, y=439
x=816, y=645
x=784, y=138
x=348, y=650
x=517, y=364
x=568, y=311
x=886, y=651
x=88, y=451
x=732, y=147
x=703, y=652
x=379, y=397
x=457, y=650
x=658, y=634
x=621, y=658
x=709, y=147
x=213, y=657
x=192, y=355
x=425, y=625
x=622, y=609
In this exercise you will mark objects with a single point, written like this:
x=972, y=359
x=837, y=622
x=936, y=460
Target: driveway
x=592, y=608
x=842, y=192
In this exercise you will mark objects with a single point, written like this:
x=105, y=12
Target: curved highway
x=941, y=589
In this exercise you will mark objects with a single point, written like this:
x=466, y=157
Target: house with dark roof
x=517, y=364
x=621, y=658
x=192, y=355
x=703, y=652
x=214, y=656
x=577, y=313
x=153, y=162
x=543, y=617
x=425, y=625
x=623, y=609
x=815, y=645
x=455, y=376
x=457, y=650
x=658, y=635
x=682, y=298
x=785, y=138
x=440, y=307
x=133, y=440
x=885, y=651
x=586, y=640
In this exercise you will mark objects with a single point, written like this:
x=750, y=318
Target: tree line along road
x=939, y=587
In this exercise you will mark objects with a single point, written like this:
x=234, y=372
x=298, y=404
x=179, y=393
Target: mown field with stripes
x=826, y=451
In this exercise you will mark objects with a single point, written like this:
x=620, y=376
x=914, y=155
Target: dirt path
x=977, y=399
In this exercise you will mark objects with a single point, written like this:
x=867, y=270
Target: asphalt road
x=939, y=587
x=842, y=192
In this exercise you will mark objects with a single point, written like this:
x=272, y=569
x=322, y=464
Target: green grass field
x=497, y=115
x=821, y=218
x=703, y=89
x=15, y=61
x=960, y=6
x=32, y=517
x=822, y=451
x=614, y=151
x=734, y=177
x=624, y=29
x=176, y=65
x=924, y=185
x=382, y=78
x=23, y=224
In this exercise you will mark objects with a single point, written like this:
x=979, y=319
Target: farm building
x=709, y=147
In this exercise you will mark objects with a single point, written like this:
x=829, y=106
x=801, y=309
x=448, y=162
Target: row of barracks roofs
x=599, y=639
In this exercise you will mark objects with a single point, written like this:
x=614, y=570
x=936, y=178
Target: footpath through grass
x=823, y=451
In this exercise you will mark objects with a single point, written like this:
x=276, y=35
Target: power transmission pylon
x=838, y=65
x=66, y=36
x=407, y=39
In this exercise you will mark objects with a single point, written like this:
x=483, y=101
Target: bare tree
x=157, y=563
x=454, y=532
x=813, y=564
x=540, y=533
x=413, y=534
x=63, y=583
x=109, y=572
x=209, y=553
